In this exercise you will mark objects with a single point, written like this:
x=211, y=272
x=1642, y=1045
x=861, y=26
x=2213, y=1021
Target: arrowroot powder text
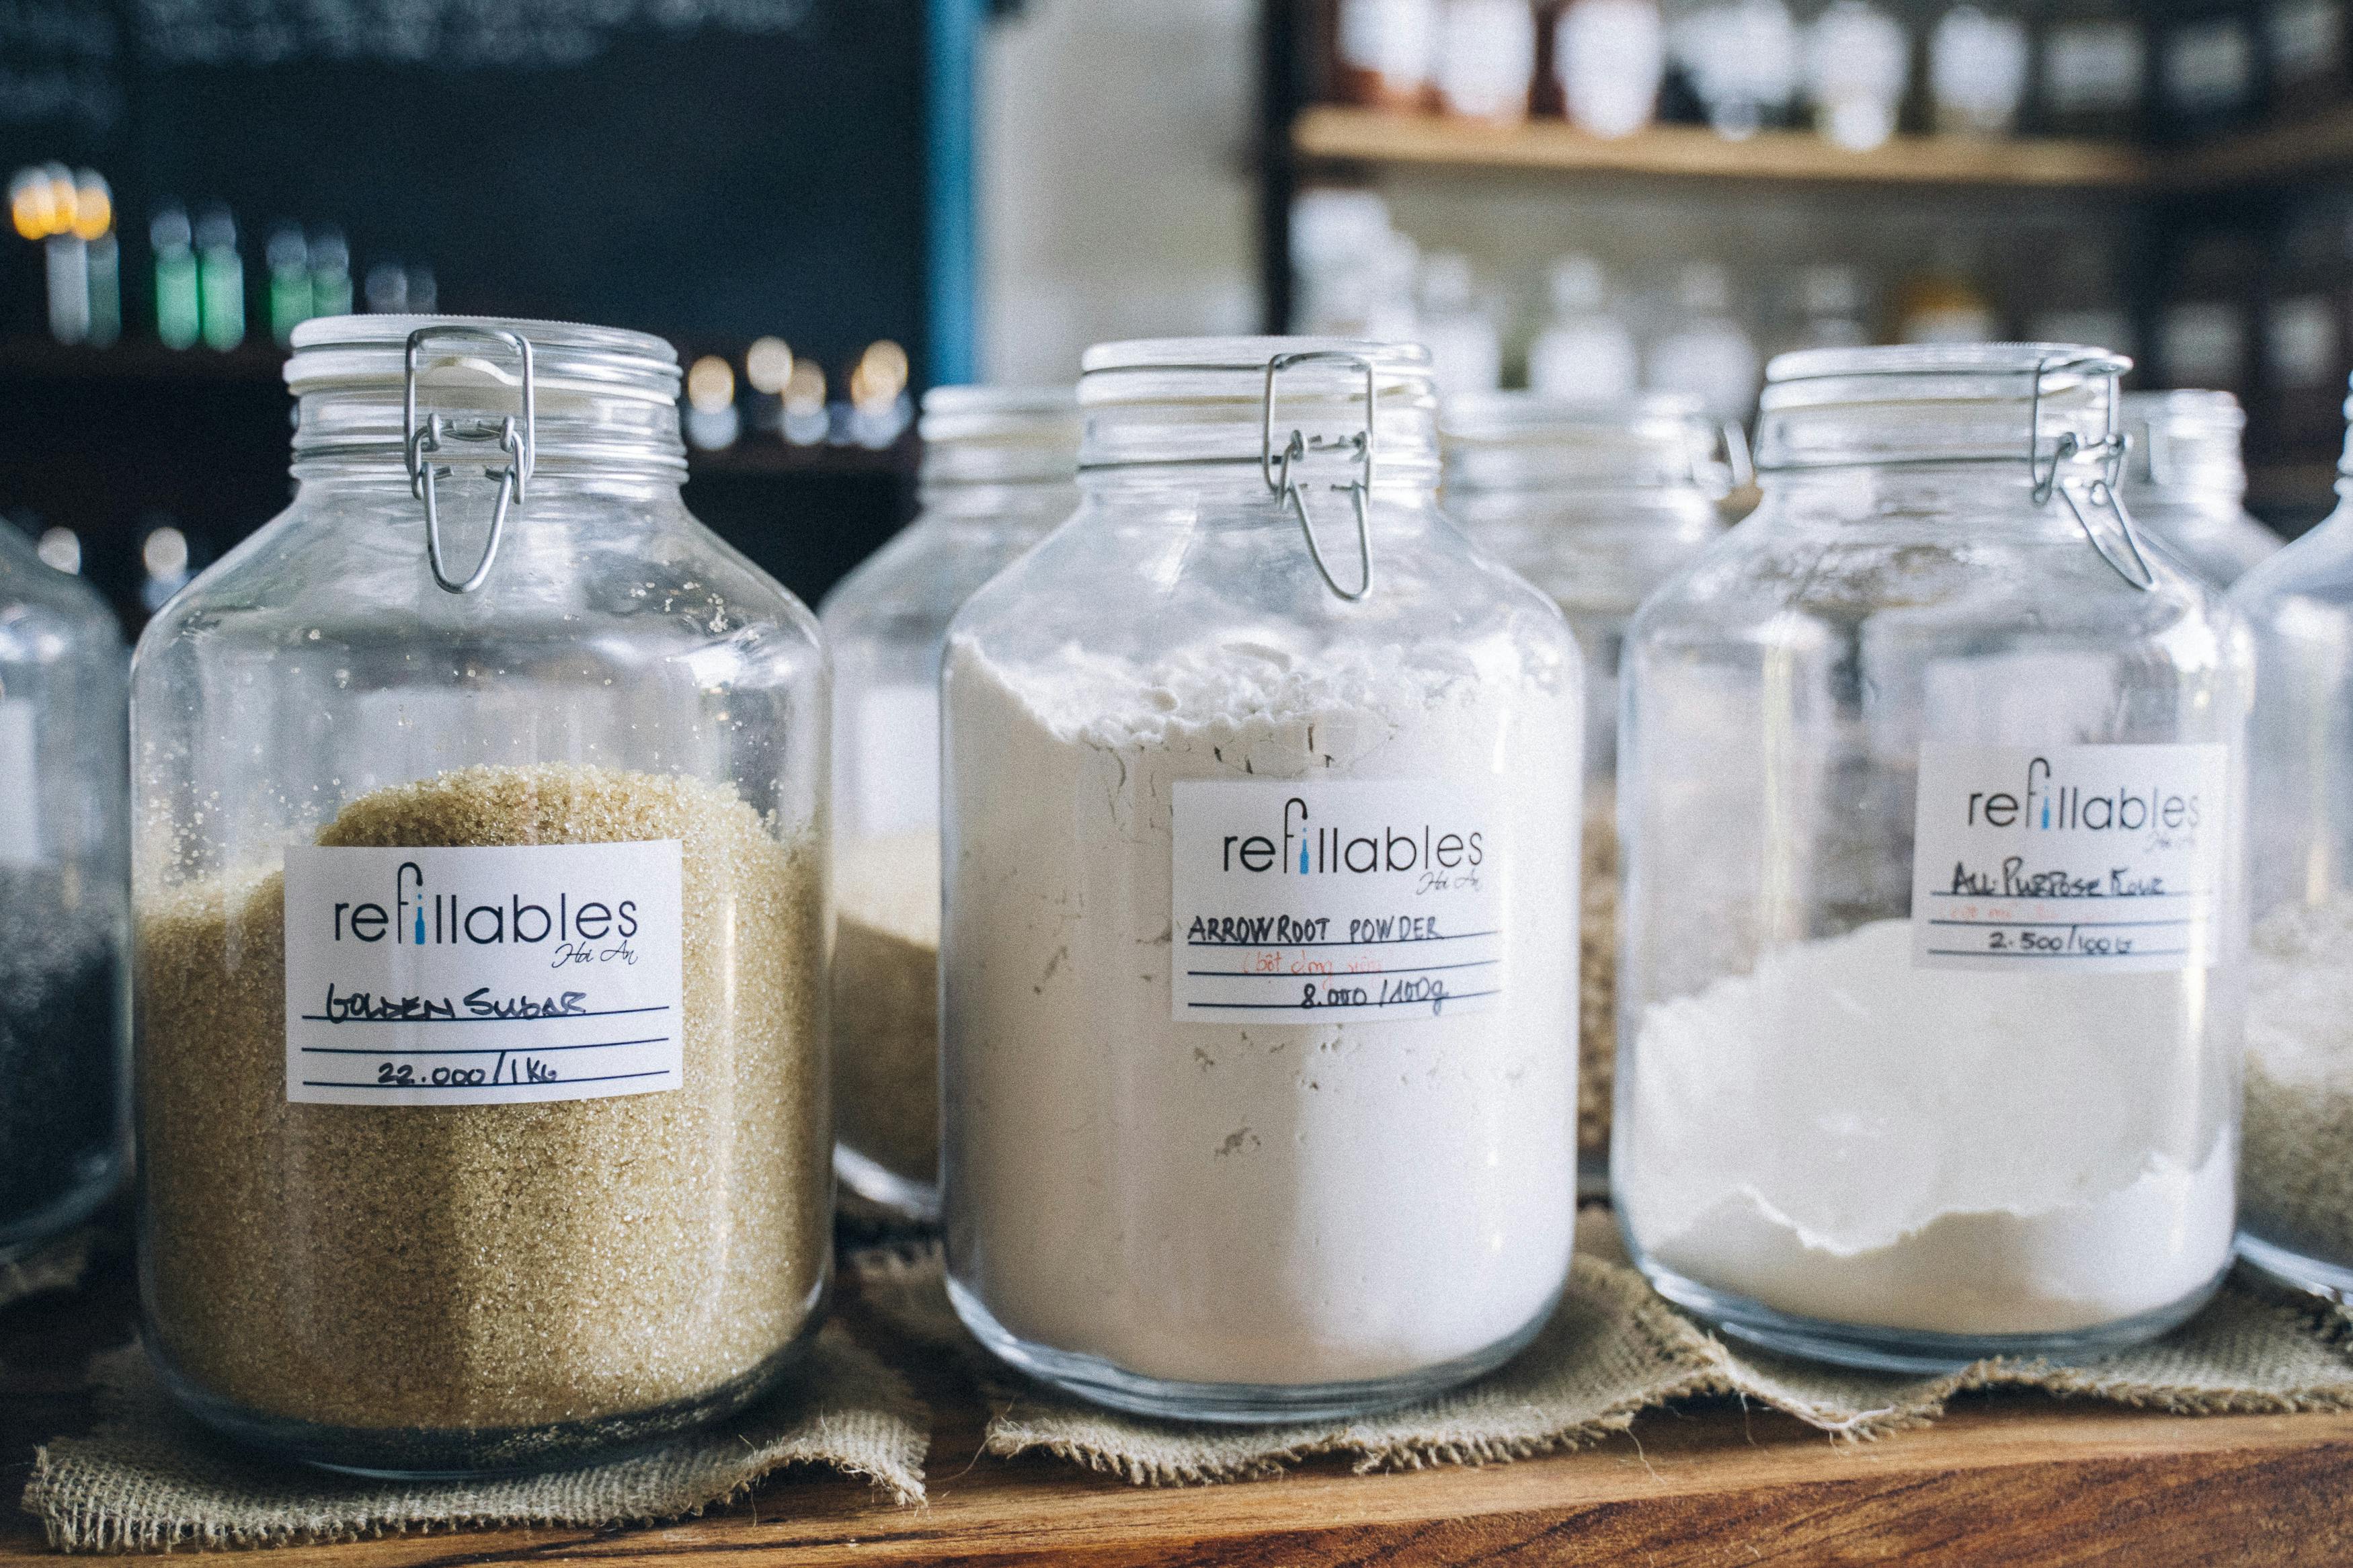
x=1269, y=1204
x=1991, y=1155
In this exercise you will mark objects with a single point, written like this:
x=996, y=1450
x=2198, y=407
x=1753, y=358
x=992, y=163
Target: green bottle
x=220, y=280
x=289, y=256
x=178, y=317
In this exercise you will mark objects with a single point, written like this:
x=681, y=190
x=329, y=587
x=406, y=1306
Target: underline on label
x=1339, y=1006
x=2090, y=957
x=1369, y=941
x=535, y=1018
x=2092, y=925
x=493, y=1051
x=2059, y=898
x=1417, y=969
x=454, y=1088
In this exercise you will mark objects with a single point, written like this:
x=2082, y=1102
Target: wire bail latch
x=2099, y=493
x=518, y=438
x=1275, y=465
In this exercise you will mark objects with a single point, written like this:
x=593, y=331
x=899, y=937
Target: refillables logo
x=1304, y=847
x=2043, y=805
x=414, y=916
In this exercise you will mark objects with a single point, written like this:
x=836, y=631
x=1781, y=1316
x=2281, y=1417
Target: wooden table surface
x=2004, y=1481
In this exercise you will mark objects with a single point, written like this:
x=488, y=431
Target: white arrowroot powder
x=1263, y=1204
x=1839, y=1135
x=2298, y=1177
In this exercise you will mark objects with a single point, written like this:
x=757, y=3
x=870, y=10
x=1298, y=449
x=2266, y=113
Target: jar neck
x=1241, y=486
x=356, y=433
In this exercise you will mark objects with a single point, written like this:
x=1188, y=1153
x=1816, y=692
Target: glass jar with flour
x=2185, y=481
x=2295, y=1199
x=1597, y=505
x=1260, y=792
x=65, y=1015
x=480, y=875
x=1000, y=471
x=1930, y=985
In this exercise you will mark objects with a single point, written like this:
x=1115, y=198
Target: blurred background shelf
x=1332, y=134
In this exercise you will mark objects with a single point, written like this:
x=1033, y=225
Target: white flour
x=886, y=953
x=1277, y=1204
x=2298, y=1177
x=1839, y=1135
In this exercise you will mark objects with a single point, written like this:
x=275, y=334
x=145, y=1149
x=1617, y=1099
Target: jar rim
x=1497, y=413
x=353, y=350
x=2081, y=362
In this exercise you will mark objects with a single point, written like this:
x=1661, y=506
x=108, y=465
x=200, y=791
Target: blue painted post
x=953, y=28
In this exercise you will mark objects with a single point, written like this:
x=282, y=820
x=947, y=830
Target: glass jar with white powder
x=1597, y=505
x=1929, y=794
x=2295, y=1200
x=1260, y=787
x=2185, y=480
x=999, y=472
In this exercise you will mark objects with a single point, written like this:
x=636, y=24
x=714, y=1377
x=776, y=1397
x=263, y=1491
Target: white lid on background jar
x=999, y=436
x=2186, y=439
x=1515, y=441
x=1203, y=402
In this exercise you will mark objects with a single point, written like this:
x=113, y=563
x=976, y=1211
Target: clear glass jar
x=2186, y=483
x=481, y=901
x=1256, y=1064
x=1000, y=471
x=2295, y=1197
x=65, y=1014
x=1598, y=506
x=1930, y=983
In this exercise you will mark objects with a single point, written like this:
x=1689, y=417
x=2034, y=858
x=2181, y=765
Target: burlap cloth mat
x=147, y=1479
x=1613, y=1350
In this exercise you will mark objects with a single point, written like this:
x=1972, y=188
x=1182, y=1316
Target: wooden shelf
x=1330, y=135
x=2015, y=1480
x=2309, y=148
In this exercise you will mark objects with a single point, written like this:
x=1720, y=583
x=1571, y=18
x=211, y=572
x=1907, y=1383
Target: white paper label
x=483, y=977
x=1311, y=902
x=20, y=785
x=2095, y=858
x=2094, y=66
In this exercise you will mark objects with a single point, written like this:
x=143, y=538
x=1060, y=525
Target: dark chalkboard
x=711, y=170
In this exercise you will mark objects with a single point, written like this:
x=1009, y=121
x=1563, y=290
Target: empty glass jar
x=1261, y=785
x=1929, y=799
x=1000, y=471
x=1598, y=505
x=2186, y=483
x=2295, y=1198
x=64, y=881
x=480, y=882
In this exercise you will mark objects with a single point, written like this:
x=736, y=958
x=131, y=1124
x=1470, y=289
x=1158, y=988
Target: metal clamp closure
x=518, y=438
x=1275, y=467
x=2099, y=494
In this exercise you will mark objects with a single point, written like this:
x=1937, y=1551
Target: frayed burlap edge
x=146, y=1480
x=1613, y=1350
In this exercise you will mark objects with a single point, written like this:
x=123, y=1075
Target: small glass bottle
x=64, y=907
x=1586, y=352
x=1608, y=57
x=2307, y=55
x=2207, y=69
x=1598, y=505
x=1930, y=808
x=1259, y=1100
x=481, y=882
x=1858, y=64
x=2091, y=68
x=1742, y=56
x=1000, y=472
x=1486, y=59
x=2295, y=1194
x=2185, y=481
x=1707, y=354
x=1977, y=71
x=1386, y=51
